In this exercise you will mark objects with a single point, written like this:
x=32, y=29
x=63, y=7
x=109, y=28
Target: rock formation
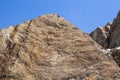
x=102, y=35
x=109, y=37
x=116, y=55
x=115, y=32
x=51, y=48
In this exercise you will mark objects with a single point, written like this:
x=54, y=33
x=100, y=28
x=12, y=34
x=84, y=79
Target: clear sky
x=87, y=15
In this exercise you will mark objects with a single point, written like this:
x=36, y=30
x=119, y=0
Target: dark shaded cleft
x=7, y=77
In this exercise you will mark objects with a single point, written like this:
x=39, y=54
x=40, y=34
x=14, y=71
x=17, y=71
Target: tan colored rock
x=50, y=48
x=114, y=52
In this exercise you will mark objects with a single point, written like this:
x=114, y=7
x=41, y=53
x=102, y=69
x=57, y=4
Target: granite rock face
x=51, y=48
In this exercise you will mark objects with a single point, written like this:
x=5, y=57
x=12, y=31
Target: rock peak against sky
x=109, y=37
x=86, y=15
x=51, y=48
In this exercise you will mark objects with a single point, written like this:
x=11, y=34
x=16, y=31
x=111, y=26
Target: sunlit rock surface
x=51, y=48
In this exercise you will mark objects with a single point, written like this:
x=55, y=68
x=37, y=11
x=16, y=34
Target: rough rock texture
x=102, y=35
x=109, y=37
x=115, y=32
x=114, y=52
x=116, y=55
x=50, y=48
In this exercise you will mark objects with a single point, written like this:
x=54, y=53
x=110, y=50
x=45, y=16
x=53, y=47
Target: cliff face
x=109, y=37
x=50, y=48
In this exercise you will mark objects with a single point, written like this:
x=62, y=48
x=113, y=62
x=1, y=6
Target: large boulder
x=51, y=48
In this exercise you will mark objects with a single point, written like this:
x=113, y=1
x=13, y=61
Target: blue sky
x=87, y=15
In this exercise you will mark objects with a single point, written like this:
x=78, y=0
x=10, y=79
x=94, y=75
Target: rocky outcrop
x=102, y=35
x=115, y=32
x=109, y=37
x=51, y=48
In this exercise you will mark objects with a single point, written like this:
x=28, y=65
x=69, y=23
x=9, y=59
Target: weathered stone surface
x=115, y=32
x=50, y=48
x=114, y=52
x=109, y=37
x=116, y=55
x=102, y=35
